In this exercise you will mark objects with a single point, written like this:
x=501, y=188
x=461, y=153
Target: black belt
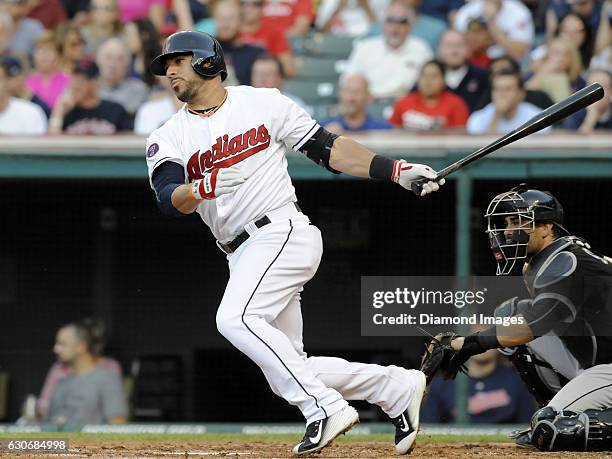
x=233, y=245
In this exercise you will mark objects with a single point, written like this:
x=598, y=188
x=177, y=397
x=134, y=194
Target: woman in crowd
x=576, y=29
x=104, y=23
x=432, y=106
x=72, y=46
x=48, y=80
x=558, y=73
x=143, y=40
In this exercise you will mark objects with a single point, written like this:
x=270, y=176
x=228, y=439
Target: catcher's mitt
x=439, y=355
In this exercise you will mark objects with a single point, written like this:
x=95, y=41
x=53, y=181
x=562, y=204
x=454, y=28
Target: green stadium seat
x=329, y=45
x=317, y=68
x=381, y=109
x=321, y=112
x=312, y=92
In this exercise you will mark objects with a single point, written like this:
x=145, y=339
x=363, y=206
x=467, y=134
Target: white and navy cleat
x=407, y=423
x=320, y=433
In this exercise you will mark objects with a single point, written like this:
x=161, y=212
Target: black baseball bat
x=577, y=101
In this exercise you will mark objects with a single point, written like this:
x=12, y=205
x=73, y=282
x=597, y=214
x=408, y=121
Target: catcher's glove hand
x=440, y=355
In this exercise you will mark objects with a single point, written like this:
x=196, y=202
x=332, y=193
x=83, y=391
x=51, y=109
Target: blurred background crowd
x=481, y=66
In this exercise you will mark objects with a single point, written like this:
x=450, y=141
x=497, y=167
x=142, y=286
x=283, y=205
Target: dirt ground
x=267, y=449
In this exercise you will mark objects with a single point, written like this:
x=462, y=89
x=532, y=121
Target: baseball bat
x=577, y=101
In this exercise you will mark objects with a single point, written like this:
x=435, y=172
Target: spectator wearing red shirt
x=432, y=106
x=272, y=39
x=50, y=13
x=479, y=39
x=293, y=17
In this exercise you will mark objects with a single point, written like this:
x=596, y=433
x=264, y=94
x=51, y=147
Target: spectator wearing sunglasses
x=391, y=62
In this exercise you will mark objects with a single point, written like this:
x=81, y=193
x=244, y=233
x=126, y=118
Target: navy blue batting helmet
x=206, y=54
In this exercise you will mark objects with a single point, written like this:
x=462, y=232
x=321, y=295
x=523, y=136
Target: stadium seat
x=321, y=112
x=312, y=92
x=329, y=45
x=317, y=68
x=381, y=109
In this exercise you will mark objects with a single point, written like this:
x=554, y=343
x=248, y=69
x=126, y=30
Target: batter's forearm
x=183, y=199
x=350, y=157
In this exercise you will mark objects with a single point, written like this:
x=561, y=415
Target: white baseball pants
x=260, y=315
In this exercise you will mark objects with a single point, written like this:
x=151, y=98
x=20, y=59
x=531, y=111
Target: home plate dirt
x=272, y=449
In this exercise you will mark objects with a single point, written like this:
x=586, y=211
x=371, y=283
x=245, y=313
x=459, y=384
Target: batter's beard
x=187, y=95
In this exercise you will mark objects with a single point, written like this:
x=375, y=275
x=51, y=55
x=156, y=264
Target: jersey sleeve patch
x=152, y=150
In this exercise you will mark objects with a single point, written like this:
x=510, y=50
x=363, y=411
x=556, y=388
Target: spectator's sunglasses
x=252, y=2
x=397, y=20
x=94, y=7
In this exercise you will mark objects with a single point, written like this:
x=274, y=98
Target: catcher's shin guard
x=531, y=369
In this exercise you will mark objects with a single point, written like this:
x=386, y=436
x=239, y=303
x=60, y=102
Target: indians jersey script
x=251, y=130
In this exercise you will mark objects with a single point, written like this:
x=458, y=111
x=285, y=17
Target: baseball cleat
x=407, y=423
x=320, y=433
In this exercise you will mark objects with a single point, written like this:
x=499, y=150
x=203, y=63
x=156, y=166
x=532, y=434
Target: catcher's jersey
x=251, y=130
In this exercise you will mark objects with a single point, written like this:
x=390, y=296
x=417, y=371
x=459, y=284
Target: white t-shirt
x=513, y=18
x=352, y=20
x=153, y=114
x=22, y=117
x=251, y=131
x=390, y=72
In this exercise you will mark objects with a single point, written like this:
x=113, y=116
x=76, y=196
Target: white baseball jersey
x=251, y=131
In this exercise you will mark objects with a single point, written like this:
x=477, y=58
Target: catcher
x=570, y=289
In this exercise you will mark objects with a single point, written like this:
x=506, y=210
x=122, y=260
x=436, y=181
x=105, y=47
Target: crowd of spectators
x=476, y=66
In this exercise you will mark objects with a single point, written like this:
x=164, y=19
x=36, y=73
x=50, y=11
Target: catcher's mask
x=512, y=216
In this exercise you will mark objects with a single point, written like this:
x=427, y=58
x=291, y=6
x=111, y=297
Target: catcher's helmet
x=207, y=56
x=527, y=207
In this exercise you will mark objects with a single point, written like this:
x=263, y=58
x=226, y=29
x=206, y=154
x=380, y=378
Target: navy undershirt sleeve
x=166, y=178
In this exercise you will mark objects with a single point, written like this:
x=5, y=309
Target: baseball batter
x=223, y=156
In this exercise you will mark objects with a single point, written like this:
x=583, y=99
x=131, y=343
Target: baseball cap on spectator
x=477, y=23
x=87, y=68
x=12, y=66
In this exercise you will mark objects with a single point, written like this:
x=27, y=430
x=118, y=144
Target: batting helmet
x=207, y=56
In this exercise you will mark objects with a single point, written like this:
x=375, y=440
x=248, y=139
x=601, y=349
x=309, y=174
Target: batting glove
x=217, y=183
x=405, y=173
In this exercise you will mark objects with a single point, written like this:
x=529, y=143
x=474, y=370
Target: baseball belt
x=232, y=246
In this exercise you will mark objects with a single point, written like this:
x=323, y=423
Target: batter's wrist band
x=382, y=168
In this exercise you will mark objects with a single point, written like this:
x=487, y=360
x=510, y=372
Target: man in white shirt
x=350, y=18
x=18, y=116
x=156, y=111
x=391, y=62
x=509, y=22
x=507, y=111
